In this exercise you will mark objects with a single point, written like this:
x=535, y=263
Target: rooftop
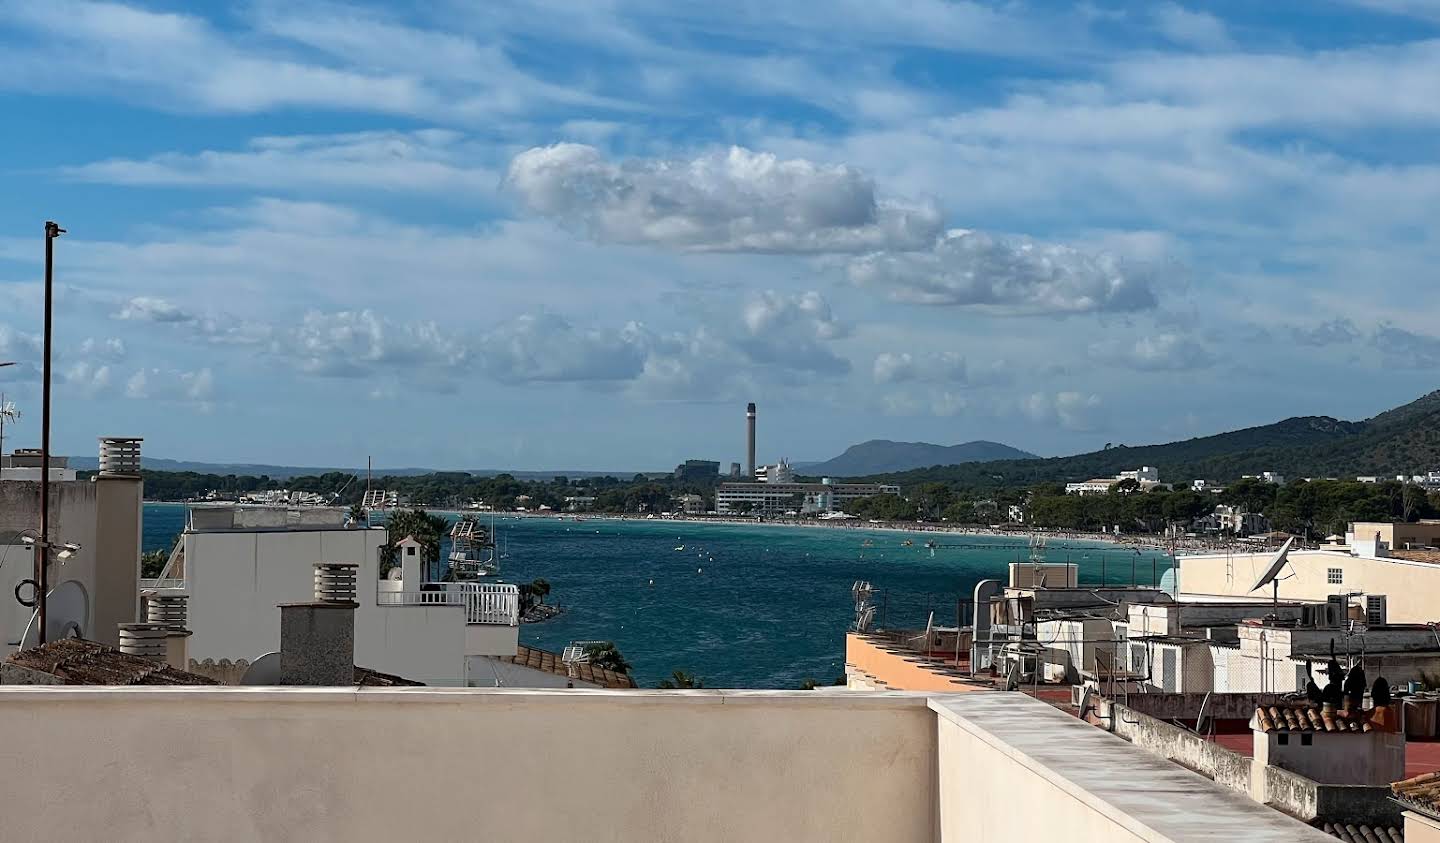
x=1422, y=793
x=549, y=662
x=1302, y=717
x=75, y=661
x=1353, y=833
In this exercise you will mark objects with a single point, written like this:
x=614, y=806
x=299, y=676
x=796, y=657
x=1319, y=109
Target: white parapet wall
x=461, y=764
x=573, y=765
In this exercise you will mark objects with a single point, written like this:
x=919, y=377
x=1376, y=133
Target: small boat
x=908, y=543
x=868, y=543
x=680, y=548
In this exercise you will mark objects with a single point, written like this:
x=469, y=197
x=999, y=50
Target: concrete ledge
x=1152, y=799
x=467, y=696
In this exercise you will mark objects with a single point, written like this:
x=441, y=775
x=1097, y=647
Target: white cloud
x=153, y=309
x=1153, y=351
x=790, y=331
x=87, y=378
x=735, y=201
x=547, y=348
x=1337, y=331
x=941, y=403
x=197, y=387
x=111, y=349
x=1006, y=276
x=937, y=367
x=428, y=160
x=1069, y=409
x=179, y=61
x=1424, y=9
x=1190, y=28
x=1403, y=349
x=359, y=344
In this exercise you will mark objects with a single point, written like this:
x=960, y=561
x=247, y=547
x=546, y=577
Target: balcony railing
x=494, y=603
x=163, y=582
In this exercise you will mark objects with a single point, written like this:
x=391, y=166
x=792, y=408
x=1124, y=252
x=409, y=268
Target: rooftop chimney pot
x=120, y=456
x=146, y=640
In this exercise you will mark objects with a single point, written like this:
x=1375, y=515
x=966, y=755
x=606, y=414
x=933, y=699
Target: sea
x=741, y=605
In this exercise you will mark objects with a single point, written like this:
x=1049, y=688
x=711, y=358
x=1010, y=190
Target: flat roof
x=1151, y=797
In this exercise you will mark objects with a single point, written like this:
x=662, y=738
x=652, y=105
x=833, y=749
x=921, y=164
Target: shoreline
x=1173, y=547
x=1139, y=542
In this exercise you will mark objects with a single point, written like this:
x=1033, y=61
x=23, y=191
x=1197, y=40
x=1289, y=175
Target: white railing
x=495, y=603
x=162, y=582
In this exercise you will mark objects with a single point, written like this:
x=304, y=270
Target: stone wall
x=1182, y=746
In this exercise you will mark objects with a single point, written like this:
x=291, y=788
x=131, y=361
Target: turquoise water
x=741, y=606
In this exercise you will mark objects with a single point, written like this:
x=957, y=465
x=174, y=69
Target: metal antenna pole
x=42, y=547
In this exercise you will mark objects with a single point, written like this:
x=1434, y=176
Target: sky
x=538, y=234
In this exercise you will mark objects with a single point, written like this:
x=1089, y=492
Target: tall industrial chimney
x=750, y=441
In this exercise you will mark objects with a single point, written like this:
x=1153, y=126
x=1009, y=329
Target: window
x=410, y=551
x=1306, y=739
x=1374, y=609
x=1334, y=576
x=1137, y=658
x=1284, y=739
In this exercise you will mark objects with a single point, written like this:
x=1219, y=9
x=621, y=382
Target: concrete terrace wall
x=1182, y=746
x=1281, y=789
x=459, y=764
x=1300, y=797
x=1013, y=768
x=1187, y=706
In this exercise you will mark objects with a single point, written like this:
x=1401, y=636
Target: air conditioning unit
x=1337, y=610
x=1375, y=610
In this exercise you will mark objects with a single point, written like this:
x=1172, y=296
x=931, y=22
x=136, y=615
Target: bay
x=744, y=606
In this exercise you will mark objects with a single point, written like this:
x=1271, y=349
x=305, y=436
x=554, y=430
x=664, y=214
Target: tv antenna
x=8, y=412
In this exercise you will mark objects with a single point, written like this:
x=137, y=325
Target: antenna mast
x=8, y=412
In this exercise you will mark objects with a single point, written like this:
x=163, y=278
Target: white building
x=780, y=472
x=25, y=464
x=1266, y=477
x=780, y=498
x=92, y=587
x=1147, y=476
x=237, y=564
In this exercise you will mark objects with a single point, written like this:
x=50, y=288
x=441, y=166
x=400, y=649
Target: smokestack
x=317, y=639
x=750, y=440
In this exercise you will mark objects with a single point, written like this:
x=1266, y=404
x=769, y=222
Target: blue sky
x=555, y=235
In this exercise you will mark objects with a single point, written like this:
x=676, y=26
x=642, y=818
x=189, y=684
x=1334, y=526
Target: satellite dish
x=1273, y=569
x=263, y=671
x=67, y=610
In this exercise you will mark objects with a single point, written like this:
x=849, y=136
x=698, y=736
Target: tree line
x=453, y=490
x=1312, y=509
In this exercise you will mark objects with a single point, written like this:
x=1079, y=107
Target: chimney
x=120, y=456
x=146, y=640
x=171, y=611
x=119, y=499
x=750, y=441
x=317, y=639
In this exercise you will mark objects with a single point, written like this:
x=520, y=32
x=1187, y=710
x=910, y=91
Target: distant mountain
x=1405, y=440
x=285, y=472
x=880, y=456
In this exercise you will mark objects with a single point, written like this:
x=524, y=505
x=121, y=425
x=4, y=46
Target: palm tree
x=426, y=528
x=606, y=655
x=680, y=679
x=541, y=589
